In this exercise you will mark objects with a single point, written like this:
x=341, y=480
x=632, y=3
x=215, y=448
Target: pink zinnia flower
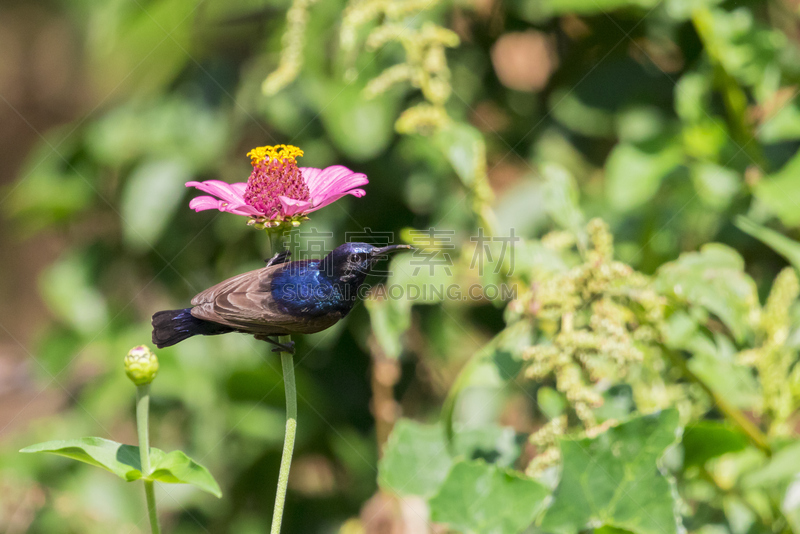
x=277, y=190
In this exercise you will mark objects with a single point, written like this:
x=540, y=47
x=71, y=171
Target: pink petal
x=211, y=203
x=239, y=188
x=335, y=181
x=204, y=203
x=358, y=193
x=311, y=176
x=222, y=190
x=231, y=195
x=291, y=207
x=247, y=211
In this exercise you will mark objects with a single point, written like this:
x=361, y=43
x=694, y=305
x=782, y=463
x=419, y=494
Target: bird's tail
x=173, y=326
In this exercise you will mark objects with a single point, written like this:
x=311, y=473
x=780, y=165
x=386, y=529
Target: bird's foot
x=279, y=347
x=285, y=347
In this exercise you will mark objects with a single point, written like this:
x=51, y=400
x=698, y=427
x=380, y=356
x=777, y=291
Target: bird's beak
x=391, y=248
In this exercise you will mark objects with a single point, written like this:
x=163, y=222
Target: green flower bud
x=141, y=365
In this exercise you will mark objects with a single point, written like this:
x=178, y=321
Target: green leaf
x=705, y=140
x=48, y=196
x=714, y=279
x=390, y=318
x=488, y=369
x=614, y=479
x=140, y=49
x=463, y=147
x=123, y=460
x=478, y=497
x=284, y=111
x=714, y=361
x=410, y=282
x=260, y=422
x=151, y=195
x=786, y=247
x=360, y=128
x=422, y=278
x=640, y=124
x=493, y=443
x=715, y=364
x=598, y=6
x=783, y=126
x=715, y=185
x=708, y=439
x=561, y=198
x=791, y=507
x=52, y=186
x=781, y=474
x=781, y=469
x=415, y=461
x=580, y=117
x=177, y=468
x=606, y=529
x=538, y=10
x=68, y=291
x=634, y=175
x=780, y=192
x=550, y=402
x=618, y=404
x=167, y=128
x=692, y=96
x=745, y=49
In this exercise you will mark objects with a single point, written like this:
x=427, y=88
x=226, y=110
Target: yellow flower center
x=277, y=152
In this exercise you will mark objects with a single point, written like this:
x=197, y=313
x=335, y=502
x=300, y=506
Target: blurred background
x=667, y=118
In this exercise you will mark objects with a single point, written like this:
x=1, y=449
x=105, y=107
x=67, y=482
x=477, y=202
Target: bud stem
x=287, y=362
x=142, y=428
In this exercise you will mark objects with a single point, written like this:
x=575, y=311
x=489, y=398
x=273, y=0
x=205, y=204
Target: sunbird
x=284, y=297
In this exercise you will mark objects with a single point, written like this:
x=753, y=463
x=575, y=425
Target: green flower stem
x=150, y=494
x=287, y=362
x=142, y=427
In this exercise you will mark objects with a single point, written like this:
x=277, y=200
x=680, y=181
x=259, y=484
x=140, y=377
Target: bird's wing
x=245, y=302
x=237, y=283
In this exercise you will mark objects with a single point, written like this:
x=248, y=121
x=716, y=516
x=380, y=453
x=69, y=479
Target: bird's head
x=352, y=262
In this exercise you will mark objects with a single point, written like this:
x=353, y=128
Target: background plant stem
x=142, y=428
x=733, y=96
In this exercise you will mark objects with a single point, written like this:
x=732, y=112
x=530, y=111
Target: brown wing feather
x=233, y=284
x=245, y=303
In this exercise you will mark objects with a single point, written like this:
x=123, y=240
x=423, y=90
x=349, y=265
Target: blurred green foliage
x=676, y=122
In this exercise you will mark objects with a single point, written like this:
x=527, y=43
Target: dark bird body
x=298, y=297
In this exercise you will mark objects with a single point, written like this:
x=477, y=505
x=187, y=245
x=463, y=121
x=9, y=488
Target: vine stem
x=287, y=362
x=142, y=428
